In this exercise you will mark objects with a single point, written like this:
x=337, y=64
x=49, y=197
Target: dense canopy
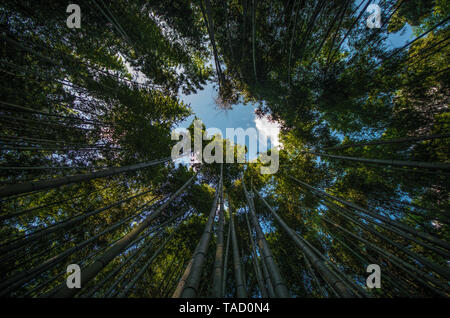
x=87, y=177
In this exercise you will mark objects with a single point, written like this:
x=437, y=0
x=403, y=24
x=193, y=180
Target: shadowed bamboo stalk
x=349, y=30
x=371, y=40
x=184, y=277
x=167, y=289
x=218, y=262
x=324, y=271
x=21, y=278
x=112, y=290
x=267, y=277
x=25, y=211
x=254, y=4
x=259, y=277
x=167, y=278
x=389, y=221
x=348, y=283
x=400, y=163
x=330, y=28
x=112, y=273
x=388, y=141
x=16, y=243
x=435, y=267
x=393, y=282
x=54, y=183
x=82, y=262
x=269, y=284
x=207, y=16
x=10, y=252
x=190, y=280
x=159, y=228
x=295, y=9
x=408, y=268
x=225, y=261
x=241, y=292
x=405, y=208
x=124, y=292
x=389, y=228
x=309, y=26
x=244, y=278
x=336, y=33
x=275, y=276
x=409, y=43
x=314, y=277
x=115, y=250
x=131, y=257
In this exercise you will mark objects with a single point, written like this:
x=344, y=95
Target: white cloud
x=267, y=130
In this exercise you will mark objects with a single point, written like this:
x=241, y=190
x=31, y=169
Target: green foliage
x=107, y=95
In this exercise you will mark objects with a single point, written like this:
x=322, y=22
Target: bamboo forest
x=93, y=90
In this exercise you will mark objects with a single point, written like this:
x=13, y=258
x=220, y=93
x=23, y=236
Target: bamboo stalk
x=19, y=242
x=316, y=262
x=54, y=183
x=125, y=291
x=218, y=262
x=259, y=276
x=188, y=286
x=112, y=252
x=389, y=221
x=225, y=261
x=400, y=163
x=275, y=276
x=241, y=291
x=389, y=141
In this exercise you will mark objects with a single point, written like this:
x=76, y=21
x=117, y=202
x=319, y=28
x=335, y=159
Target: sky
x=243, y=116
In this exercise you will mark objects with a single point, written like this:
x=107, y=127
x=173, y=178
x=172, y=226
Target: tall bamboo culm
x=279, y=286
x=188, y=285
x=93, y=269
x=218, y=262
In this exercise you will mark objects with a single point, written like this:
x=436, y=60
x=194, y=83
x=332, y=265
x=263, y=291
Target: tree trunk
x=183, y=279
x=21, y=278
x=227, y=249
x=124, y=292
x=258, y=273
x=320, y=266
x=401, y=226
x=433, y=266
x=269, y=284
x=279, y=286
x=218, y=262
x=254, y=4
x=54, y=183
x=194, y=270
x=408, y=268
x=210, y=26
x=112, y=252
x=241, y=292
x=27, y=239
x=389, y=141
x=400, y=163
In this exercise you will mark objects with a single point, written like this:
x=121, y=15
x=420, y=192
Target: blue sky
x=204, y=107
x=241, y=116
